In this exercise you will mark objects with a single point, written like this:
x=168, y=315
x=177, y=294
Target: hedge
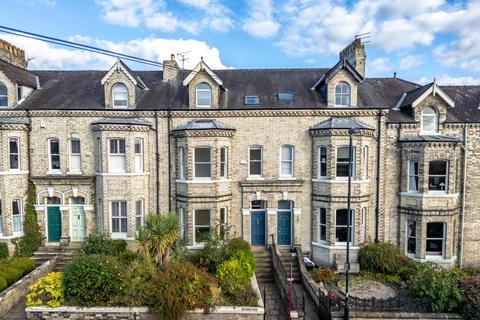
x=13, y=269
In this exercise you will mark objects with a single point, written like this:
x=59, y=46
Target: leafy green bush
x=178, y=287
x=324, y=275
x=470, y=290
x=235, y=273
x=438, y=285
x=32, y=238
x=101, y=243
x=213, y=252
x=13, y=269
x=380, y=257
x=3, y=251
x=246, y=297
x=3, y=284
x=47, y=291
x=390, y=278
x=92, y=279
x=236, y=244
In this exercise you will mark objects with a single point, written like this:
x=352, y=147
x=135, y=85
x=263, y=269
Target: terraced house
x=260, y=153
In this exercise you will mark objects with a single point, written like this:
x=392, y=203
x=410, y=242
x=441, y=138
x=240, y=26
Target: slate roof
x=18, y=75
x=204, y=125
x=341, y=123
x=136, y=122
x=82, y=90
x=429, y=138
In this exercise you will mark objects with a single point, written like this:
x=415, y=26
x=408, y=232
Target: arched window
x=120, y=96
x=429, y=120
x=204, y=95
x=3, y=95
x=342, y=94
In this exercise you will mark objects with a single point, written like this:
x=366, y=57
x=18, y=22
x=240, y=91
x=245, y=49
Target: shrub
x=235, y=273
x=101, y=243
x=32, y=238
x=180, y=286
x=380, y=257
x=389, y=278
x=470, y=290
x=246, y=297
x=324, y=275
x=213, y=253
x=47, y=291
x=440, y=286
x=236, y=244
x=92, y=279
x=3, y=284
x=13, y=269
x=3, y=251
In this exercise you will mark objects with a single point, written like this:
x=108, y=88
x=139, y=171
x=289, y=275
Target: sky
x=418, y=39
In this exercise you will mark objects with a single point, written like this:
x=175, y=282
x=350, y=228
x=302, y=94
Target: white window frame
x=209, y=90
x=181, y=163
x=365, y=162
x=255, y=147
x=21, y=216
x=346, y=163
x=224, y=222
x=435, y=118
x=50, y=155
x=118, y=154
x=195, y=163
x=17, y=140
x=201, y=226
x=119, y=234
x=114, y=89
x=442, y=255
x=408, y=237
x=72, y=155
x=352, y=232
x=224, y=163
x=320, y=225
x=320, y=162
x=291, y=161
x=410, y=164
x=139, y=156
x=139, y=215
x=363, y=224
x=342, y=94
x=4, y=95
x=182, y=223
x=447, y=164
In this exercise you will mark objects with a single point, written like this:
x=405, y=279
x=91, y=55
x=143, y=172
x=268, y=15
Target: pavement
x=17, y=312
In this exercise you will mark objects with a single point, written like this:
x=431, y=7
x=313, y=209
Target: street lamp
x=351, y=132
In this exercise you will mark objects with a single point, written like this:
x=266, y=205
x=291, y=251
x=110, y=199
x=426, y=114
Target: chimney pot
x=172, y=57
x=170, y=69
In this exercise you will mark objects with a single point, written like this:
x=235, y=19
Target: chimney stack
x=355, y=54
x=13, y=55
x=170, y=69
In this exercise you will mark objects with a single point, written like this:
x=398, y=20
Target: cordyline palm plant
x=157, y=236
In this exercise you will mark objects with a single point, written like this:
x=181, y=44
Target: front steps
x=288, y=259
x=45, y=253
x=264, y=271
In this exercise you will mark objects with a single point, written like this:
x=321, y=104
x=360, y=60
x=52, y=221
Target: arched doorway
x=78, y=224
x=54, y=219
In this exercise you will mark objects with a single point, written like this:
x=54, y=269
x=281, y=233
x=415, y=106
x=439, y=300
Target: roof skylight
x=285, y=96
x=251, y=100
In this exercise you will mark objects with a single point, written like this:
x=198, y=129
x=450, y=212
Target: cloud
x=155, y=14
x=410, y=61
x=449, y=80
x=47, y=56
x=379, y=65
x=261, y=23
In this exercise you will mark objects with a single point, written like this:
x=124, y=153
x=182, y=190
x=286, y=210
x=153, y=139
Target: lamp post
x=351, y=132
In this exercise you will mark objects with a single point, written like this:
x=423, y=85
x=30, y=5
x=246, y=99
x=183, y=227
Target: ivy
x=32, y=239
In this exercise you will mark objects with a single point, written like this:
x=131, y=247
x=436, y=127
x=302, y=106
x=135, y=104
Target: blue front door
x=258, y=228
x=284, y=228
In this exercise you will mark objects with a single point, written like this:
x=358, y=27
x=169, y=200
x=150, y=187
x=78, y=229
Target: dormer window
x=429, y=120
x=204, y=95
x=342, y=94
x=3, y=95
x=120, y=96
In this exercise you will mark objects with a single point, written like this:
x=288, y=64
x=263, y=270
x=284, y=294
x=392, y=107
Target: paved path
x=276, y=309
x=17, y=312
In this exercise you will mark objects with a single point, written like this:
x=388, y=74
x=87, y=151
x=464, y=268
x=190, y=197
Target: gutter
x=464, y=187
x=377, y=197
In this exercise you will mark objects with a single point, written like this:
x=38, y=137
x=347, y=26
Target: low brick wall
x=142, y=313
x=396, y=315
x=12, y=295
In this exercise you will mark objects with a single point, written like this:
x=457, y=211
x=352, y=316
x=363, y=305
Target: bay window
x=17, y=216
x=202, y=225
x=342, y=162
x=438, y=175
x=183, y=223
x=119, y=217
x=341, y=226
x=365, y=162
x=181, y=163
x=322, y=225
x=117, y=156
x=322, y=162
x=138, y=155
x=223, y=223
x=411, y=237
x=139, y=213
x=435, y=239
x=202, y=163
x=14, y=153
x=412, y=175
x=286, y=161
x=224, y=162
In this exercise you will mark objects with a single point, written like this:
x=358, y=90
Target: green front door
x=78, y=223
x=54, y=223
x=284, y=228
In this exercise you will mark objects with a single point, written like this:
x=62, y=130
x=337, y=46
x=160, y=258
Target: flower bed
x=13, y=269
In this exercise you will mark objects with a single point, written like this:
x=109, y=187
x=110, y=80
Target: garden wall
x=12, y=295
x=338, y=315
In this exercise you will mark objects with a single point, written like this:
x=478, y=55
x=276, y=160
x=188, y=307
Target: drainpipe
x=464, y=187
x=400, y=179
x=157, y=167
x=312, y=173
x=29, y=117
x=377, y=198
x=169, y=119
